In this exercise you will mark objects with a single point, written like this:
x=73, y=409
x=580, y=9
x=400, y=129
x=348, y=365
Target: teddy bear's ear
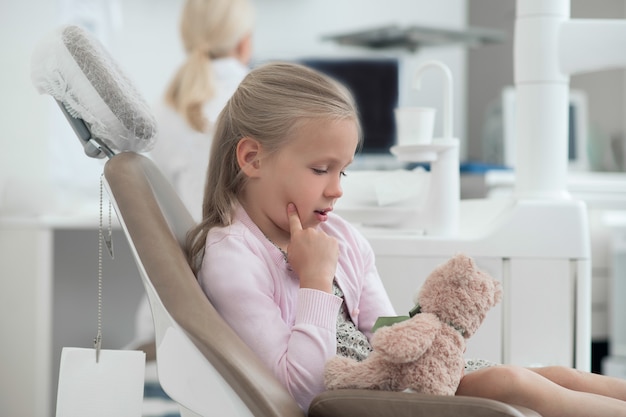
x=462, y=259
x=490, y=288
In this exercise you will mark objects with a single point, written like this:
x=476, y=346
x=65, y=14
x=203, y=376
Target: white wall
x=23, y=116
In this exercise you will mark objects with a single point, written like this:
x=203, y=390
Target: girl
x=299, y=284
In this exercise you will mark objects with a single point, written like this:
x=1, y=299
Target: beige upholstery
x=363, y=403
x=155, y=222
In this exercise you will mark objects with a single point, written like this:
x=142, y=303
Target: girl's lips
x=324, y=211
x=322, y=215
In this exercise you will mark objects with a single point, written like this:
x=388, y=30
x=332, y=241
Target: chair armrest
x=371, y=403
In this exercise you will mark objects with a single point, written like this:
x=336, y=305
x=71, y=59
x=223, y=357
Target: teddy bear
x=424, y=353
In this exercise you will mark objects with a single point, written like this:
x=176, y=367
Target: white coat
x=183, y=153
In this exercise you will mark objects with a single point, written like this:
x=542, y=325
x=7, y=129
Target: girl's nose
x=334, y=189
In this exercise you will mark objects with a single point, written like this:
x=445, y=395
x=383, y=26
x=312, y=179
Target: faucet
x=549, y=47
x=440, y=215
x=447, y=92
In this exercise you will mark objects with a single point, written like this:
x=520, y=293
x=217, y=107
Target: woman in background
x=217, y=37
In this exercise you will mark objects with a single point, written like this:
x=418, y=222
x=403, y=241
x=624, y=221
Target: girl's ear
x=248, y=152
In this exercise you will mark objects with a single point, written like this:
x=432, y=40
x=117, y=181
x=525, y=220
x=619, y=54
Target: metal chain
x=110, y=240
x=98, y=340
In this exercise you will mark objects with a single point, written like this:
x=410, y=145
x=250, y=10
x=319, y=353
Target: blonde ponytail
x=209, y=29
x=192, y=86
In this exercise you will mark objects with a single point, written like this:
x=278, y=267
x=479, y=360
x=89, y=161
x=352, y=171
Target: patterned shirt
x=351, y=343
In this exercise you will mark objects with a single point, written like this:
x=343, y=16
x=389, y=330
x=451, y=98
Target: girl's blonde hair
x=209, y=29
x=269, y=104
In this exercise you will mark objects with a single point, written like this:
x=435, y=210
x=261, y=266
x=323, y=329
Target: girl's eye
x=320, y=171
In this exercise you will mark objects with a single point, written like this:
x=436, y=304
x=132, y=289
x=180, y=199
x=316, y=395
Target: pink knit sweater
x=293, y=330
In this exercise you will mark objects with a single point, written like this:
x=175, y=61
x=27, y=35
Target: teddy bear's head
x=459, y=294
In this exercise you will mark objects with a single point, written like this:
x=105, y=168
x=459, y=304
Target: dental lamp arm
x=587, y=45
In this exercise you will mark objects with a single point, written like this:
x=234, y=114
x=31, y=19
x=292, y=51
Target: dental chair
x=202, y=364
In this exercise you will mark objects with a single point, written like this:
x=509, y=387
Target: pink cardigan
x=293, y=330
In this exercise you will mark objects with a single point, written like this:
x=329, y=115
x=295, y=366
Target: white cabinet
x=535, y=324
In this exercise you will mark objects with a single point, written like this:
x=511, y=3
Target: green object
x=389, y=320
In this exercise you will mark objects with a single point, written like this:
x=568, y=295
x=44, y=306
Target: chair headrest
x=72, y=66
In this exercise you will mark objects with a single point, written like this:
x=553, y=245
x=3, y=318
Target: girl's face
x=306, y=171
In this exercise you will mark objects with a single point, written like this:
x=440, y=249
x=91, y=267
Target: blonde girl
x=296, y=282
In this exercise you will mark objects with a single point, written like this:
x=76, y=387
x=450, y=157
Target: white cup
x=415, y=125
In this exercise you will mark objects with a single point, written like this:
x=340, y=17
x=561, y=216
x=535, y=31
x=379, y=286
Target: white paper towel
x=113, y=386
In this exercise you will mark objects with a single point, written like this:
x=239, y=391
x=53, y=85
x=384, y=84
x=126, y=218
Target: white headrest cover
x=73, y=67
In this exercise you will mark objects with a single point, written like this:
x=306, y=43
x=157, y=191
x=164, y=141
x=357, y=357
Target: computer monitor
x=374, y=84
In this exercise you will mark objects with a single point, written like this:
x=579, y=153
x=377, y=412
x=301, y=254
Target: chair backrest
x=202, y=364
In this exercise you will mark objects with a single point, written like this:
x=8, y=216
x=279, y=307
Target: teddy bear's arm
x=406, y=341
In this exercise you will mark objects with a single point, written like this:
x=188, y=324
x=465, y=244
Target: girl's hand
x=312, y=254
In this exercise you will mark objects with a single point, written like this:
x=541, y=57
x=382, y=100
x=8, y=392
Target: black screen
x=374, y=85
